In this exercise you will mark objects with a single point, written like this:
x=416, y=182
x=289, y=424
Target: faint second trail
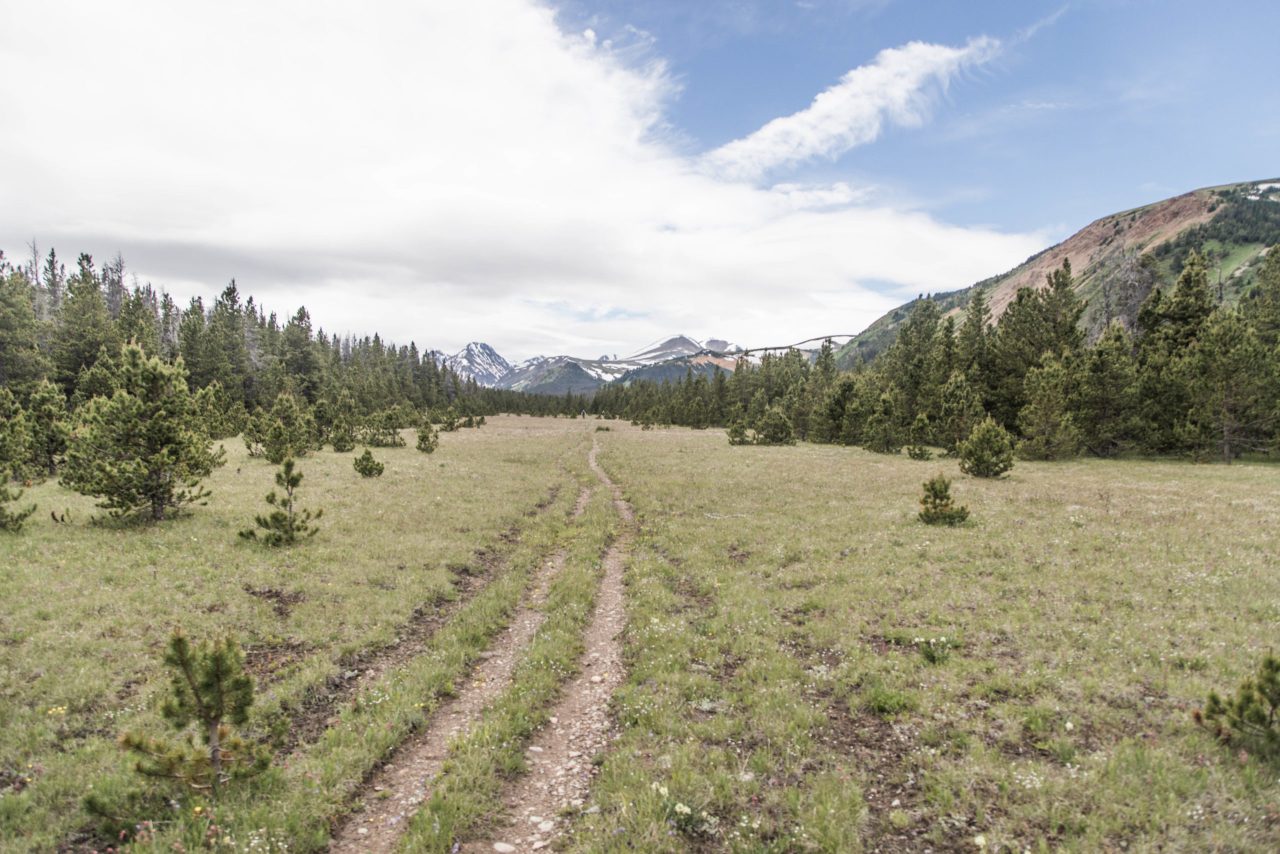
x=401, y=786
x=560, y=759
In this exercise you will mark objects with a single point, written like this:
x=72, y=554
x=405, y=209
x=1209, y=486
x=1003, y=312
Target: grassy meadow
x=809, y=667
x=89, y=608
x=784, y=693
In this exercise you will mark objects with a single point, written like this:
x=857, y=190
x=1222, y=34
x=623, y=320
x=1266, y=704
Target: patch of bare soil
x=563, y=757
x=396, y=791
x=282, y=601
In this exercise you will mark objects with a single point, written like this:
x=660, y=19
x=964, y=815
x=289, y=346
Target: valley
x=804, y=666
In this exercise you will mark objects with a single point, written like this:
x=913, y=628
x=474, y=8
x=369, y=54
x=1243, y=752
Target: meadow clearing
x=805, y=665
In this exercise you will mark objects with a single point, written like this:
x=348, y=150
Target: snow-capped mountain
x=668, y=358
x=480, y=362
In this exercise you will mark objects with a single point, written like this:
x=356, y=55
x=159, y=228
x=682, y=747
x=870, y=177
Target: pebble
x=504, y=848
x=362, y=831
x=546, y=826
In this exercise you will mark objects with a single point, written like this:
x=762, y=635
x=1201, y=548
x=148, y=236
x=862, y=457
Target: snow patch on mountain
x=480, y=362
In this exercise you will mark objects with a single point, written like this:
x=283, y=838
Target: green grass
x=481, y=761
x=88, y=608
x=775, y=681
x=781, y=693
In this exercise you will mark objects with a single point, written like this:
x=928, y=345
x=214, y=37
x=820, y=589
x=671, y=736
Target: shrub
x=988, y=452
x=737, y=434
x=11, y=520
x=381, y=430
x=1252, y=716
x=775, y=428
x=921, y=431
x=210, y=692
x=367, y=465
x=137, y=450
x=285, y=523
x=936, y=506
x=428, y=438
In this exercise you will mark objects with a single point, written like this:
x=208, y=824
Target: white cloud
x=440, y=172
x=896, y=88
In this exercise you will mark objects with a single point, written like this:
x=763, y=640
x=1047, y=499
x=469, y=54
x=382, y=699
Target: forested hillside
x=1119, y=259
x=1193, y=374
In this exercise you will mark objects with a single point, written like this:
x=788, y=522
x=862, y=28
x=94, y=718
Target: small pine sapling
x=367, y=465
x=428, y=439
x=737, y=433
x=285, y=524
x=775, y=428
x=1252, y=716
x=11, y=520
x=936, y=506
x=449, y=421
x=988, y=452
x=919, y=435
x=210, y=695
x=381, y=430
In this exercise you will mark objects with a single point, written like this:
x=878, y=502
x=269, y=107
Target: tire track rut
x=561, y=758
x=397, y=789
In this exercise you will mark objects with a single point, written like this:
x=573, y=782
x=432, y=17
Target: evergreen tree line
x=1188, y=376
x=61, y=338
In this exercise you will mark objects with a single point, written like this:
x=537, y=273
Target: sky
x=588, y=176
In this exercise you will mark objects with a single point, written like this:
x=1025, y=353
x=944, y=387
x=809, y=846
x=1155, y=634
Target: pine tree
x=1036, y=323
x=1048, y=425
x=921, y=434
x=342, y=432
x=285, y=524
x=881, y=433
x=936, y=505
x=1226, y=374
x=428, y=439
x=1107, y=397
x=960, y=411
x=737, y=433
x=367, y=466
x=1264, y=308
x=47, y=421
x=988, y=452
x=290, y=430
x=774, y=428
x=1252, y=716
x=21, y=362
x=85, y=326
x=11, y=519
x=15, y=437
x=255, y=431
x=216, y=413
x=210, y=692
x=381, y=430
x=100, y=379
x=137, y=451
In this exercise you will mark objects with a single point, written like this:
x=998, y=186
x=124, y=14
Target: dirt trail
x=404, y=782
x=560, y=758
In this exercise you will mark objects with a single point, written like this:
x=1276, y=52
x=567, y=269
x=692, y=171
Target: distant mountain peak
x=480, y=362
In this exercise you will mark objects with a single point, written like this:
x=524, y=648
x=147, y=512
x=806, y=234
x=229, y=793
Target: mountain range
x=1116, y=260
x=666, y=359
